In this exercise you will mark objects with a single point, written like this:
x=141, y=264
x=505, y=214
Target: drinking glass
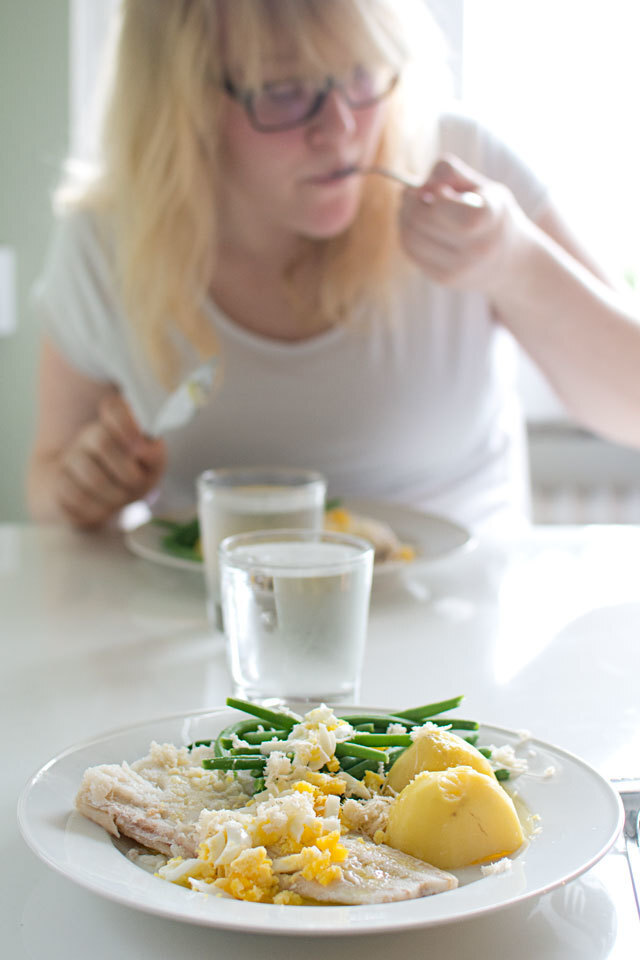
x=295, y=609
x=238, y=500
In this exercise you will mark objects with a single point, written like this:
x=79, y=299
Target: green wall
x=34, y=48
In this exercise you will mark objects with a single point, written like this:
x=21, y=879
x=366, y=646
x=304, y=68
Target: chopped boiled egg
x=243, y=852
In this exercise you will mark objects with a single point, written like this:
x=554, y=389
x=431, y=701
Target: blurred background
x=557, y=78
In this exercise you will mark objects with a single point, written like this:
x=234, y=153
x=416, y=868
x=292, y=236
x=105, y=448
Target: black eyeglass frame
x=246, y=97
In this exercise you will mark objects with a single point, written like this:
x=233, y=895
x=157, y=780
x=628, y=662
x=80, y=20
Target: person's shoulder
x=456, y=115
x=81, y=227
x=82, y=244
x=79, y=262
x=460, y=125
x=482, y=142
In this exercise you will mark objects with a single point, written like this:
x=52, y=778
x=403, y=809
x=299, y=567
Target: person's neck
x=250, y=286
x=260, y=245
x=250, y=281
x=271, y=258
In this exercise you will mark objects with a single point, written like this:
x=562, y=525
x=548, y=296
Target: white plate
x=433, y=538
x=580, y=816
x=146, y=542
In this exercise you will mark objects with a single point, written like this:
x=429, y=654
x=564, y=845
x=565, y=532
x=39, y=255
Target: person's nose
x=335, y=119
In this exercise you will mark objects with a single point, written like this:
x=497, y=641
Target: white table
x=540, y=634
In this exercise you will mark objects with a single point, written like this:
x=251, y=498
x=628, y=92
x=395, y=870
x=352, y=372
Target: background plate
x=580, y=818
x=433, y=538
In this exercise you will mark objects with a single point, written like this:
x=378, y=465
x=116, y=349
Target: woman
x=360, y=328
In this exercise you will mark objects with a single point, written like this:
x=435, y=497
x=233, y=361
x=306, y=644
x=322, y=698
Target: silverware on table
x=629, y=791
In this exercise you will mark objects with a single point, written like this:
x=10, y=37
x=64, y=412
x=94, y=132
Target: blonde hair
x=160, y=150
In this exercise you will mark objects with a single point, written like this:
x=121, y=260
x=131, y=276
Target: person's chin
x=329, y=225
x=326, y=234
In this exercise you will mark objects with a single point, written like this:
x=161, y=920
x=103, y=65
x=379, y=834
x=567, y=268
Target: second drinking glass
x=239, y=500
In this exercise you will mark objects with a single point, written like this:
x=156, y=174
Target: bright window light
x=561, y=79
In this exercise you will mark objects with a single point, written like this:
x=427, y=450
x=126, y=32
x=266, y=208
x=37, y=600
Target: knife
x=629, y=791
x=180, y=406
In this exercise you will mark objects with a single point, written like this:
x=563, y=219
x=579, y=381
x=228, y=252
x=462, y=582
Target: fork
x=469, y=197
x=629, y=791
x=390, y=174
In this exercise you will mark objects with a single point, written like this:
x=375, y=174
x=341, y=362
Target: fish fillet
x=373, y=873
x=385, y=543
x=157, y=800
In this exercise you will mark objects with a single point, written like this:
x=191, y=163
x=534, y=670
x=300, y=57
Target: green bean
x=185, y=534
x=359, y=769
x=502, y=774
x=255, y=736
x=382, y=739
x=238, y=729
x=381, y=719
x=179, y=550
x=270, y=716
x=369, y=748
x=259, y=736
x=347, y=762
x=350, y=749
x=163, y=522
x=454, y=724
x=485, y=752
x=255, y=762
x=430, y=709
x=182, y=538
x=394, y=753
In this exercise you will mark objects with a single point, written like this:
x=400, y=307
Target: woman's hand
x=461, y=228
x=109, y=464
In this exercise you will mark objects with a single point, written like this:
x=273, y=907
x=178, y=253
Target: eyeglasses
x=285, y=104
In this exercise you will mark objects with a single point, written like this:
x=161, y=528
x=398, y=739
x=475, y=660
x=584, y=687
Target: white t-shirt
x=419, y=407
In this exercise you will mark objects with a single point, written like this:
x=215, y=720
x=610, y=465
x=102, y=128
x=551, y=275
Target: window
x=89, y=25
x=562, y=79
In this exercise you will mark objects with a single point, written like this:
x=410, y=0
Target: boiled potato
x=453, y=818
x=435, y=750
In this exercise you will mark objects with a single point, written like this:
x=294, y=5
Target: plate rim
x=365, y=505
x=311, y=920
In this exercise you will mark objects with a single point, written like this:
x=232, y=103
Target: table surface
x=541, y=633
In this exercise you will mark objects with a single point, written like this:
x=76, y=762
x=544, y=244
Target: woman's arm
x=90, y=458
x=584, y=335
x=542, y=286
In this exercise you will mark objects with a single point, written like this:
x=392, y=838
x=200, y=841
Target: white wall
x=33, y=133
